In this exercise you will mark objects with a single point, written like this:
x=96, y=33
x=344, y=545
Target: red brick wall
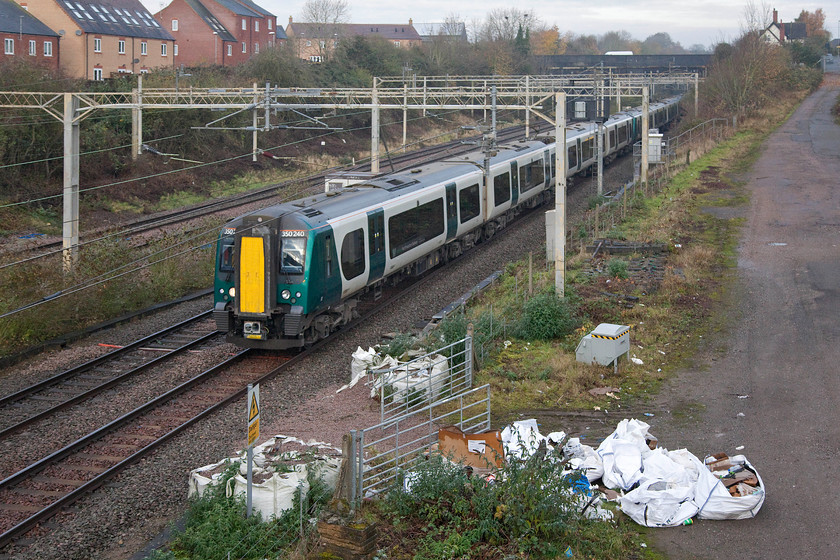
x=21, y=49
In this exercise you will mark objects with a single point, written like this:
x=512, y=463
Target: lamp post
x=215, y=47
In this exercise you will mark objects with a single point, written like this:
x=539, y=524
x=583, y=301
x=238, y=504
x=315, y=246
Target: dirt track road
x=783, y=352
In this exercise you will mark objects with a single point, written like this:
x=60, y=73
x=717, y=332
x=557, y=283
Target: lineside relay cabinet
x=604, y=345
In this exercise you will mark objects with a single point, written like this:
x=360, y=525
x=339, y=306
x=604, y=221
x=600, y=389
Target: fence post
x=360, y=454
x=468, y=355
x=351, y=471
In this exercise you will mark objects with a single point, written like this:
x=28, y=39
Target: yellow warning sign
x=253, y=432
x=254, y=408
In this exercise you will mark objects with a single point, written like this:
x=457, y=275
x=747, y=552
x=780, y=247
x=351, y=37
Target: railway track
x=315, y=182
x=36, y=402
x=37, y=492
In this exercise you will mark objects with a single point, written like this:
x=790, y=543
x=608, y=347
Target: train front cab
x=261, y=284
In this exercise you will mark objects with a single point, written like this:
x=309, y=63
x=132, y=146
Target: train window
x=376, y=225
x=501, y=188
x=587, y=149
x=622, y=134
x=573, y=157
x=414, y=227
x=469, y=202
x=292, y=255
x=353, y=254
x=531, y=175
x=226, y=255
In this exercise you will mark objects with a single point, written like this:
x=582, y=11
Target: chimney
x=410, y=21
x=775, y=16
x=290, y=19
x=781, y=32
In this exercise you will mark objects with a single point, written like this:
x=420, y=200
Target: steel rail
x=107, y=384
x=8, y=399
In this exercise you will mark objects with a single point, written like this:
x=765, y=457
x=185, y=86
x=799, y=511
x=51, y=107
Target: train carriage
x=290, y=274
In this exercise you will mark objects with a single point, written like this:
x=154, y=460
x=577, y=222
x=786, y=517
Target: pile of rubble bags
x=661, y=488
x=425, y=377
x=280, y=467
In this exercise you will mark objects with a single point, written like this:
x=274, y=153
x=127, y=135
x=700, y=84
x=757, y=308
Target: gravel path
x=122, y=517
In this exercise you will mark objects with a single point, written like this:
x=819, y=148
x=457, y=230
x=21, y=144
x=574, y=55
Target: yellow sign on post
x=253, y=414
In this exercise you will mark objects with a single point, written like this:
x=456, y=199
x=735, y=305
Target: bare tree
x=326, y=11
x=757, y=16
x=503, y=24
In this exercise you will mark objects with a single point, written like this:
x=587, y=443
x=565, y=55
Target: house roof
x=795, y=30
x=239, y=8
x=14, y=19
x=126, y=18
x=458, y=29
x=397, y=32
x=214, y=24
x=255, y=8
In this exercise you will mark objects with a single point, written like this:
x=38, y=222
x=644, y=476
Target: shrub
x=617, y=268
x=529, y=510
x=546, y=317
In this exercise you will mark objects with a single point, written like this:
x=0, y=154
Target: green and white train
x=290, y=274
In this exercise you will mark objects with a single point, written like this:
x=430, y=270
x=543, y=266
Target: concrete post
x=527, y=106
x=560, y=195
x=374, y=130
x=254, y=124
x=70, y=229
x=405, y=116
x=645, y=136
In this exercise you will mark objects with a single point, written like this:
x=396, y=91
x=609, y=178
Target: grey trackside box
x=604, y=345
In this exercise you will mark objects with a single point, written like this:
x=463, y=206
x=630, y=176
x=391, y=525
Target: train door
x=376, y=244
x=255, y=282
x=514, y=182
x=451, y=212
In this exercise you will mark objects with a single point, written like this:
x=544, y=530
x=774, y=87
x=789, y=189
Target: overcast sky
x=688, y=22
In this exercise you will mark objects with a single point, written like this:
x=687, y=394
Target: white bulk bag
x=715, y=502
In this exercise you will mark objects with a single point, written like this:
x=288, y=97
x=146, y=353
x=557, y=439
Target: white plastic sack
x=657, y=503
x=522, y=438
x=584, y=458
x=201, y=478
x=623, y=452
x=425, y=378
x=362, y=361
x=715, y=502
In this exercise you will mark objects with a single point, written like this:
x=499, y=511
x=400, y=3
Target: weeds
x=530, y=510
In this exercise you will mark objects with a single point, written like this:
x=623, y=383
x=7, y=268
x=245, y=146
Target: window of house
x=9, y=46
x=309, y=43
x=163, y=49
x=414, y=227
x=47, y=48
x=314, y=59
x=244, y=47
x=256, y=25
x=230, y=50
x=97, y=74
x=256, y=48
x=396, y=43
x=174, y=25
x=33, y=50
x=97, y=45
x=269, y=24
x=144, y=47
x=175, y=50
x=469, y=203
x=121, y=46
x=244, y=26
x=353, y=254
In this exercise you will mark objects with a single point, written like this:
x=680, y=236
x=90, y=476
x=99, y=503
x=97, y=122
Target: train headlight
x=232, y=292
x=297, y=294
x=285, y=294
